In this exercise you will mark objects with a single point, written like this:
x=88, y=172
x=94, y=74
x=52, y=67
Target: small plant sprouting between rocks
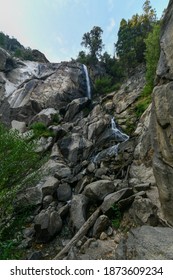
x=41, y=130
x=116, y=216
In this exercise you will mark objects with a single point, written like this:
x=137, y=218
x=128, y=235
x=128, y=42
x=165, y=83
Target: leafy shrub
x=18, y=164
x=105, y=85
x=41, y=130
x=116, y=216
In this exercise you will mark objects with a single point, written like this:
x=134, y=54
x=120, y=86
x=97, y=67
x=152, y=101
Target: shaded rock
x=47, y=224
x=31, y=196
x=113, y=198
x=162, y=118
x=49, y=186
x=44, y=144
x=64, y=192
x=101, y=224
x=39, y=56
x=46, y=116
x=47, y=200
x=147, y=243
x=75, y=107
x=78, y=208
x=75, y=147
x=144, y=212
x=37, y=255
x=99, y=189
x=63, y=171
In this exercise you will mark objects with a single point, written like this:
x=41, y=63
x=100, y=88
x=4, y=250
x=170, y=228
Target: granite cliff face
x=162, y=118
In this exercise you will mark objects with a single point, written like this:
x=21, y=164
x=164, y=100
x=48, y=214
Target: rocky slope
x=99, y=195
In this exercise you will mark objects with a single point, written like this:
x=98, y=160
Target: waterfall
x=87, y=81
x=113, y=150
x=120, y=135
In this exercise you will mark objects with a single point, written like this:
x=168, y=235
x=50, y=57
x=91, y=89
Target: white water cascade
x=87, y=81
x=113, y=150
x=118, y=134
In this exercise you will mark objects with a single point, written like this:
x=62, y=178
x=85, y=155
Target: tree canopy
x=130, y=47
x=93, y=41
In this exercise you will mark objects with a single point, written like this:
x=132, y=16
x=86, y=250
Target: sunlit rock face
x=162, y=118
x=30, y=86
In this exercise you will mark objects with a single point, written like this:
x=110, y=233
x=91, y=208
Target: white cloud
x=111, y=25
x=58, y=39
x=111, y=4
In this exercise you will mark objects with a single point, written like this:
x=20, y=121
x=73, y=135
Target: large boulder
x=99, y=189
x=47, y=224
x=147, y=243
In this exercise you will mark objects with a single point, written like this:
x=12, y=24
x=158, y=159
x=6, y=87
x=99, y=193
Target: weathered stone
x=144, y=212
x=19, y=126
x=44, y=144
x=147, y=243
x=113, y=198
x=162, y=118
x=47, y=224
x=78, y=211
x=165, y=65
x=63, y=171
x=31, y=196
x=75, y=107
x=47, y=200
x=99, y=189
x=64, y=192
x=75, y=147
x=100, y=225
x=49, y=186
x=46, y=116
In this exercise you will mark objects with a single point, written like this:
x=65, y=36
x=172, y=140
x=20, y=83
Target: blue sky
x=56, y=27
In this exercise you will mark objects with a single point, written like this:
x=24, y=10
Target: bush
x=105, y=85
x=41, y=130
x=18, y=162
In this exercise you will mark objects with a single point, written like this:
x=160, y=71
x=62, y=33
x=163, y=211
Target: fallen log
x=81, y=232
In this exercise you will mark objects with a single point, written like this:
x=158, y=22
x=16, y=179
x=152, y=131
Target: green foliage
x=105, y=85
x=93, y=41
x=41, y=130
x=152, y=54
x=18, y=160
x=142, y=105
x=116, y=220
x=130, y=47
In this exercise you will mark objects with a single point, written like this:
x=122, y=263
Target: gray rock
x=50, y=186
x=19, y=126
x=47, y=224
x=63, y=171
x=47, y=200
x=147, y=243
x=101, y=224
x=144, y=212
x=75, y=147
x=162, y=118
x=75, y=107
x=78, y=213
x=44, y=144
x=46, y=116
x=64, y=192
x=30, y=196
x=99, y=189
x=113, y=198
